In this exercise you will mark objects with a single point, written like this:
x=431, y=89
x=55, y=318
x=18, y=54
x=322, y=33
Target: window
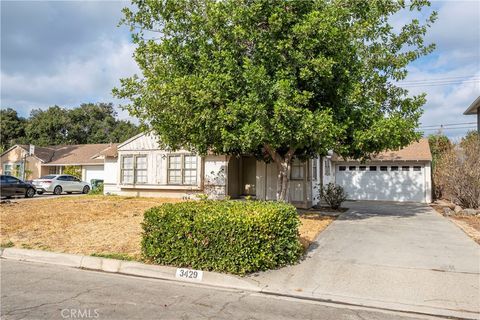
x=182, y=169
x=314, y=169
x=352, y=168
x=63, y=178
x=298, y=170
x=134, y=169
x=417, y=168
x=327, y=167
x=190, y=170
x=394, y=168
x=372, y=168
x=342, y=168
x=140, y=171
x=7, y=169
x=12, y=180
x=127, y=169
x=362, y=168
x=383, y=168
x=405, y=168
x=54, y=170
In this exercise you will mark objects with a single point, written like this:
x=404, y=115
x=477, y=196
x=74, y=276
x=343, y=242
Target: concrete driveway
x=401, y=256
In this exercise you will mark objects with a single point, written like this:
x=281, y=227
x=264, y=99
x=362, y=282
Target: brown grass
x=470, y=225
x=94, y=224
x=311, y=226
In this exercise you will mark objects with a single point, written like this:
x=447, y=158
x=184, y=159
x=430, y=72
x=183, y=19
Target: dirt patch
x=312, y=225
x=470, y=225
x=81, y=225
x=100, y=225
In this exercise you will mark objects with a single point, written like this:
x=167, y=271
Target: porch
x=248, y=177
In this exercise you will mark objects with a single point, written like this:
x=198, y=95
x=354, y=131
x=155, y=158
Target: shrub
x=226, y=236
x=333, y=195
x=458, y=172
x=97, y=190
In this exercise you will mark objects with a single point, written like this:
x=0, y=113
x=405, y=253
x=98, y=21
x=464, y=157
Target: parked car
x=58, y=183
x=11, y=186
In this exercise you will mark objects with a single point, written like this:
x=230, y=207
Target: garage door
x=389, y=182
x=93, y=172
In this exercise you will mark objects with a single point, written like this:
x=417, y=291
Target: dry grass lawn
x=94, y=224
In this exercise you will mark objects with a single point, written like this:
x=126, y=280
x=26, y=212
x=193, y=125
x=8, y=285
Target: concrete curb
x=215, y=280
x=125, y=267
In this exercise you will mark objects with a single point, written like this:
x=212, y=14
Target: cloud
x=62, y=53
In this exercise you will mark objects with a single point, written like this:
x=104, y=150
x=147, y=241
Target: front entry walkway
x=401, y=256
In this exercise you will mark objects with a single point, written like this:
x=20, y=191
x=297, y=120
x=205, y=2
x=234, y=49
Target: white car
x=58, y=183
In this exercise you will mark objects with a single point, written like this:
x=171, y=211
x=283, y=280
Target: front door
x=249, y=176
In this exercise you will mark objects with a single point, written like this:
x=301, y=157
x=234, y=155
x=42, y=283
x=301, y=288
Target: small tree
x=75, y=171
x=276, y=79
x=439, y=146
x=333, y=195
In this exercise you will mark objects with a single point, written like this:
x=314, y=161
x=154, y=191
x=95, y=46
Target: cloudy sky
x=70, y=52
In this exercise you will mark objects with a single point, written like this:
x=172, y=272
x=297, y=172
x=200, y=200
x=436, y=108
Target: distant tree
x=12, y=128
x=276, y=78
x=48, y=127
x=89, y=123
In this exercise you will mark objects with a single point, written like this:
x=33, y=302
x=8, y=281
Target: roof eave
x=473, y=108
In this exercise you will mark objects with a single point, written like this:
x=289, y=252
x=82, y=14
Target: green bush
x=226, y=236
x=333, y=195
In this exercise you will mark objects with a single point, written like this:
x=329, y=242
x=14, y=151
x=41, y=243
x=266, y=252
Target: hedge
x=227, y=236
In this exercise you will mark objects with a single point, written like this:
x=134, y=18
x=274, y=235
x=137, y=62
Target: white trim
x=473, y=108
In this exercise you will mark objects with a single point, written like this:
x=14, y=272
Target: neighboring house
x=473, y=109
x=139, y=167
x=31, y=162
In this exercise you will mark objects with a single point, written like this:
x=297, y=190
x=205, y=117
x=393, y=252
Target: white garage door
x=93, y=172
x=389, y=182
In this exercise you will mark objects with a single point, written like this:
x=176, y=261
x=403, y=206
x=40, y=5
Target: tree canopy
x=89, y=123
x=276, y=78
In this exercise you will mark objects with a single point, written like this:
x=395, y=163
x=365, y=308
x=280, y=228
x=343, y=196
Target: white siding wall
x=215, y=183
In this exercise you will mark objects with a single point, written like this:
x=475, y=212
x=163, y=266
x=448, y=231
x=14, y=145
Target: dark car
x=11, y=187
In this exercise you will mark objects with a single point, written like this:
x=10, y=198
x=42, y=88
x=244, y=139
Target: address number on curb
x=189, y=274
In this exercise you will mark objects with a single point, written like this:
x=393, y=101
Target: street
x=41, y=291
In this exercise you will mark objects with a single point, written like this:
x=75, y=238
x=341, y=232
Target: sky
x=71, y=52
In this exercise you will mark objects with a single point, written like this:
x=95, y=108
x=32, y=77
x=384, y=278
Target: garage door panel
x=383, y=185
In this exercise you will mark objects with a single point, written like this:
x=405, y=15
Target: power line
x=441, y=79
x=445, y=129
x=448, y=124
x=439, y=84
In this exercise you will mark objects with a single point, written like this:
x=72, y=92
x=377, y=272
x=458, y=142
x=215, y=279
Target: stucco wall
x=20, y=156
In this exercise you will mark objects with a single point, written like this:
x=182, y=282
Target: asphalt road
x=41, y=291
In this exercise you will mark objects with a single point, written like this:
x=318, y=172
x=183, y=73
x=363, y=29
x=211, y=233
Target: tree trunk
x=284, y=165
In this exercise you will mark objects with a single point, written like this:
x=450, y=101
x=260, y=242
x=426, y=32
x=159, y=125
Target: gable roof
x=110, y=151
x=473, y=108
x=416, y=151
x=79, y=154
x=76, y=154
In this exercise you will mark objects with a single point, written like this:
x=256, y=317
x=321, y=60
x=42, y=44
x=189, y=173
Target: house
x=31, y=162
x=473, y=109
x=139, y=167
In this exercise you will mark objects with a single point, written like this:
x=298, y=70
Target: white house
x=138, y=167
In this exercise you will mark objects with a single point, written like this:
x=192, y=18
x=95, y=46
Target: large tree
x=12, y=128
x=275, y=78
x=89, y=123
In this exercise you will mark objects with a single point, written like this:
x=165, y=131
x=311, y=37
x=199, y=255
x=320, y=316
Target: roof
x=416, y=151
x=473, y=109
x=76, y=154
x=67, y=154
x=110, y=151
